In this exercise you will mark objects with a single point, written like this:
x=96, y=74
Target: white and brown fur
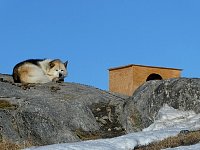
x=39, y=71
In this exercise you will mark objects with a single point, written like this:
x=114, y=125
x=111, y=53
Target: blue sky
x=95, y=35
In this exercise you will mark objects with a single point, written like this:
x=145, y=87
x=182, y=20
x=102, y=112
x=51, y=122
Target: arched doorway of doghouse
x=154, y=76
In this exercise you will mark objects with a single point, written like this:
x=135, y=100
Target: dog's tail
x=15, y=75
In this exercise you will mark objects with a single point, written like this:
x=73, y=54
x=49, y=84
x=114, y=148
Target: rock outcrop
x=180, y=93
x=41, y=114
x=50, y=113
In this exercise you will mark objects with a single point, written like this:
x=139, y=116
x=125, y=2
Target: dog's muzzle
x=61, y=75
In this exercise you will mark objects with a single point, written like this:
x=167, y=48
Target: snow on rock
x=168, y=122
x=169, y=117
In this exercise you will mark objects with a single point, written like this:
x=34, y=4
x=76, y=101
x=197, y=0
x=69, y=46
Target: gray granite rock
x=180, y=93
x=50, y=113
x=41, y=114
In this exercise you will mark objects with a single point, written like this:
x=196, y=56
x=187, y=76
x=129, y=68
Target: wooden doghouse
x=126, y=79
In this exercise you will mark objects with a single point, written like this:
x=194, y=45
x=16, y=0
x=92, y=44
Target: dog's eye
x=56, y=70
x=62, y=70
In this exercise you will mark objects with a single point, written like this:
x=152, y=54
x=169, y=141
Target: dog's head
x=57, y=70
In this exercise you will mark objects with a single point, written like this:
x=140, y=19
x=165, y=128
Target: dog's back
x=22, y=68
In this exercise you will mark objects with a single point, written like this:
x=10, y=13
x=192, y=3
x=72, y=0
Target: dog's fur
x=39, y=71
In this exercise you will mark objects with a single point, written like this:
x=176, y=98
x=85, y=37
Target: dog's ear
x=51, y=64
x=65, y=64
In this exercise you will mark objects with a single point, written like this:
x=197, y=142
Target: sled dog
x=39, y=71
